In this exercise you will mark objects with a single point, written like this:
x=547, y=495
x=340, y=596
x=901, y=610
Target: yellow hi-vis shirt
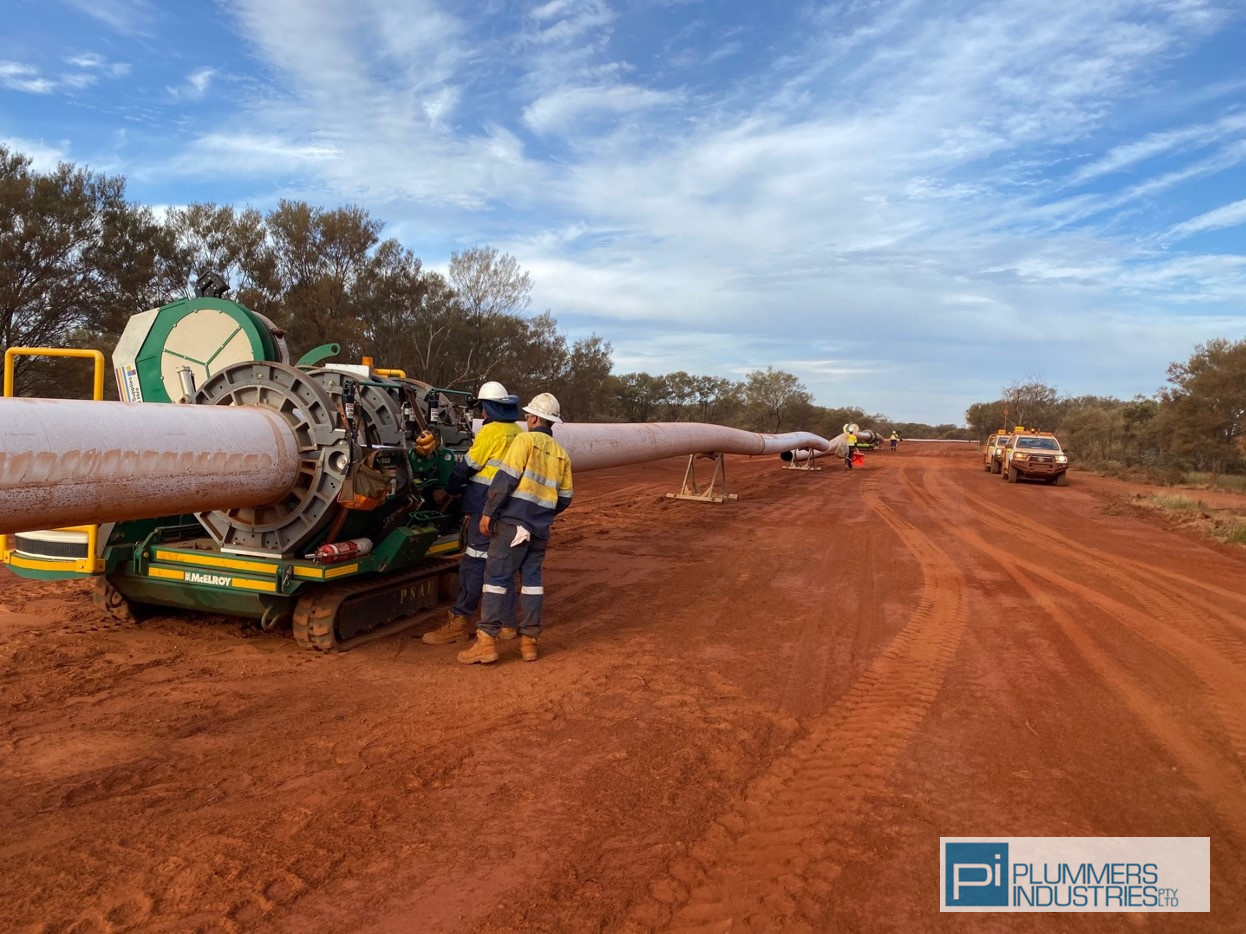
x=533, y=483
x=483, y=457
x=487, y=449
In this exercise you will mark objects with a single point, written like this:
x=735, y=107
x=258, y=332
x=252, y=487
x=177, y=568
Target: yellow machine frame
x=90, y=564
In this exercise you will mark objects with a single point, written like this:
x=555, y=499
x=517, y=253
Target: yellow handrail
x=90, y=564
x=14, y=352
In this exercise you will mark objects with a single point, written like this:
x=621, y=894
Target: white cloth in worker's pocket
x=521, y=536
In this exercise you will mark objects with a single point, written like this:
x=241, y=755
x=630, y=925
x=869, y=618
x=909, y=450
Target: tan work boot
x=455, y=629
x=484, y=651
x=527, y=648
x=507, y=633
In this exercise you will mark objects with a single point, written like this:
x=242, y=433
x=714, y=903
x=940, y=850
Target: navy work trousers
x=472, y=574
x=501, y=566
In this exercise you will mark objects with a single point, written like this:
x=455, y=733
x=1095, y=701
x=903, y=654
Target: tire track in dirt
x=1179, y=627
x=769, y=862
x=1205, y=766
x=806, y=680
x=1140, y=578
x=1181, y=580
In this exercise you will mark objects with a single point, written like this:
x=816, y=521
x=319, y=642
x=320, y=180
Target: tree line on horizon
x=77, y=259
x=1197, y=422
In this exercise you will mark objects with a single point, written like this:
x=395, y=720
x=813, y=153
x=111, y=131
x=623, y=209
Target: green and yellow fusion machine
x=347, y=535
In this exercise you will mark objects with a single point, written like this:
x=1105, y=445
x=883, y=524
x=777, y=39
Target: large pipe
x=594, y=446
x=69, y=462
x=66, y=462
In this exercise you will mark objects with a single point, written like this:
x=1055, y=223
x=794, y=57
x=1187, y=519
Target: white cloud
x=562, y=21
x=564, y=108
x=20, y=77
x=86, y=60
x=77, y=81
x=196, y=85
x=1158, y=144
x=199, y=80
x=240, y=153
x=93, y=61
x=1231, y=215
x=43, y=157
x=128, y=17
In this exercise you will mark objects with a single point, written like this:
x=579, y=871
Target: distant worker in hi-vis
x=531, y=487
x=471, y=477
x=895, y=439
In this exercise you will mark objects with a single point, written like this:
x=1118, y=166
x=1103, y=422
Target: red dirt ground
x=760, y=715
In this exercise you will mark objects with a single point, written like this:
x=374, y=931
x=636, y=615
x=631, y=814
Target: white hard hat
x=492, y=391
x=544, y=405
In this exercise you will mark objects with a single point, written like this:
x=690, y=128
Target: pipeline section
x=68, y=462
x=594, y=446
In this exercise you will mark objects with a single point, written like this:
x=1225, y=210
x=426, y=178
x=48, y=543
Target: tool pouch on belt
x=365, y=487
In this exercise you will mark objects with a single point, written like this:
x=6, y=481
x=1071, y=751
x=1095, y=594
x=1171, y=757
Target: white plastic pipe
x=594, y=446
x=66, y=462
x=69, y=462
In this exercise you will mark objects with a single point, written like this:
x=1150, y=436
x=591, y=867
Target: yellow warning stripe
x=80, y=565
x=243, y=583
x=214, y=561
x=167, y=573
x=321, y=574
x=235, y=583
x=256, y=567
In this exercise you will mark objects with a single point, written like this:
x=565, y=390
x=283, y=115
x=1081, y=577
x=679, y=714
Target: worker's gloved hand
x=485, y=526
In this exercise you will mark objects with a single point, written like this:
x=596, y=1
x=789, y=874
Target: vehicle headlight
x=1019, y=456
x=1062, y=458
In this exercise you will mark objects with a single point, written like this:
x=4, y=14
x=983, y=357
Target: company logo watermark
x=1075, y=874
x=977, y=874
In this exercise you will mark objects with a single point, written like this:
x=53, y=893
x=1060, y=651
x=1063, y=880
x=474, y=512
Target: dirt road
x=755, y=716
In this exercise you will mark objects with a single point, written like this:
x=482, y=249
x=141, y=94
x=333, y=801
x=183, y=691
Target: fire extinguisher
x=341, y=551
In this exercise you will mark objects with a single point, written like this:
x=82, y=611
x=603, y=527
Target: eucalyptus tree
x=76, y=259
x=1202, y=413
x=774, y=399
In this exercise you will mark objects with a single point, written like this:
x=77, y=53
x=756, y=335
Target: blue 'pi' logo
x=976, y=875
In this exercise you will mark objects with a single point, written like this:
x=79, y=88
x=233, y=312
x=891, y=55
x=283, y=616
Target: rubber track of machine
x=315, y=616
x=110, y=601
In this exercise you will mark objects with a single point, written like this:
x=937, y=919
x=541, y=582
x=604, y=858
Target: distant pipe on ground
x=801, y=455
x=594, y=446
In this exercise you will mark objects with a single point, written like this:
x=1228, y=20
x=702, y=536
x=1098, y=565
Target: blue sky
x=907, y=204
